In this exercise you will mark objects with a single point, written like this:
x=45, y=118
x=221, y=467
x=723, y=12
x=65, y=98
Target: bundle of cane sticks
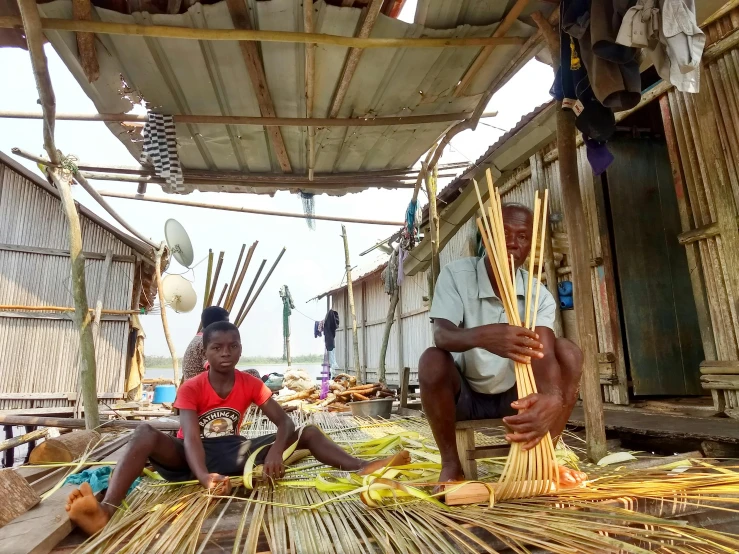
x=533, y=472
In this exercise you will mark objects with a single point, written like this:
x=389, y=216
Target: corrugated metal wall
x=40, y=351
x=416, y=330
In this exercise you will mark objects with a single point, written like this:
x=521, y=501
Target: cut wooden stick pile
x=534, y=472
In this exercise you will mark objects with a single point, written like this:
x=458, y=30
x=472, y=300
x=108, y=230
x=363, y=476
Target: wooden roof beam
x=352, y=59
x=255, y=68
x=259, y=121
x=82, y=11
x=508, y=21
x=189, y=33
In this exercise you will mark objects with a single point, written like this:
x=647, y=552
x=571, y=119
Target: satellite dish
x=178, y=293
x=178, y=242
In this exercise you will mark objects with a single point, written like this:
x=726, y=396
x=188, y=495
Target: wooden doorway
x=662, y=337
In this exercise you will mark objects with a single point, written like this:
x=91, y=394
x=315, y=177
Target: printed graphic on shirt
x=220, y=422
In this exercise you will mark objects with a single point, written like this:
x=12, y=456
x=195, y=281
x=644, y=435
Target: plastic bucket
x=164, y=393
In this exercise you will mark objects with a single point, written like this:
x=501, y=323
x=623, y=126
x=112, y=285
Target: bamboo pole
x=259, y=290
x=350, y=292
x=248, y=293
x=223, y=293
x=230, y=300
x=21, y=308
x=208, y=277
x=310, y=76
x=23, y=439
x=82, y=10
x=188, y=33
x=353, y=57
x=260, y=121
x=434, y=224
x=177, y=202
x=233, y=277
x=212, y=292
x=32, y=25
x=165, y=324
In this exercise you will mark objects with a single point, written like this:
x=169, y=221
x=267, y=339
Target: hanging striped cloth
x=160, y=150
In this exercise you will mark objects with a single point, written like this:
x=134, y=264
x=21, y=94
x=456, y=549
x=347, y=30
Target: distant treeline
x=166, y=361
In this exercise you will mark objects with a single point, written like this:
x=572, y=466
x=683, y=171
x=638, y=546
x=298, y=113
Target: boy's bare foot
x=85, y=510
x=570, y=478
x=400, y=459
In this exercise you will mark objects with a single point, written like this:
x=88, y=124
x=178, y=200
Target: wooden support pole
x=352, y=58
x=580, y=255
x=431, y=175
x=255, y=68
x=35, y=39
x=165, y=324
x=82, y=11
x=539, y=180
x=364, y=331
x=350, y=293
x=209, y=206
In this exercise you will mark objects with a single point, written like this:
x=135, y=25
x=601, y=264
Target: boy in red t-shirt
x=208, y=446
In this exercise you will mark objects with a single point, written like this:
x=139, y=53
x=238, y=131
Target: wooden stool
x=469, y=453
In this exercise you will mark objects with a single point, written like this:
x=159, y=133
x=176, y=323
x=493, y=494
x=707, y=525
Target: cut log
x=65, y=448
x=18, y=496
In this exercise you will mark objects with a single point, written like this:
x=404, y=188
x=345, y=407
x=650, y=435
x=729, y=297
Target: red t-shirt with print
x=220, y=417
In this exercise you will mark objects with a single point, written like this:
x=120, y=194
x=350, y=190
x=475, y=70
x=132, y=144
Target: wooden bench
x=469, y=453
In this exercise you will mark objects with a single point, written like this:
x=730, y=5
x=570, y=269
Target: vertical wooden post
x=346, y=330
x=165, y=325
x=35, y=41
x=582, y=288
x=580, y=261
x=431, y=175
x=399, y=330
x=364, y=331
x=386, y=335
x=350, y=292
x=538, y=178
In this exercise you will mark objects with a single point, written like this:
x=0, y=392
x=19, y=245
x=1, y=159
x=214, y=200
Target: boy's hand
x=217, y=483
x=273, y=466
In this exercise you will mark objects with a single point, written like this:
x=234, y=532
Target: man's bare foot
x=85, y=510
x=402, y=458
x=449, y=473
x=570, y=478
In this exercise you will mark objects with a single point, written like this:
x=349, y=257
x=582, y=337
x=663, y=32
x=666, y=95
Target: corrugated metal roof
x=210, y=78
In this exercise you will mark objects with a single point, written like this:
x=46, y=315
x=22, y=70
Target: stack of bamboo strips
x=534, y=472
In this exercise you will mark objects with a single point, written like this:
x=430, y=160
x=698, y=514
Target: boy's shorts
x=223, y=455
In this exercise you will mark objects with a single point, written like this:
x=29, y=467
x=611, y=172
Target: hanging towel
x=330, y=324
x=669, y=31
x=160, y=150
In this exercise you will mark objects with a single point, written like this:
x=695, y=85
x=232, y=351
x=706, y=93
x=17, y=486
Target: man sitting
x=208, y=446
x=470, y=375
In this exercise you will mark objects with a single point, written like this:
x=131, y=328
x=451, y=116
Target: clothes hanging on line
x=317, y=329
x=668, y=30
x=332, y=363
x=330, y=325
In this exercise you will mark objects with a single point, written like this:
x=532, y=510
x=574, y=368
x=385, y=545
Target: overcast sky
x=314, y=260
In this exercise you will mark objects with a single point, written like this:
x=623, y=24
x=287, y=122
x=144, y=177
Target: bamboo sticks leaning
x=534, y=472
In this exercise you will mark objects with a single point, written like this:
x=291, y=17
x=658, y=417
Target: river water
x=314, y=370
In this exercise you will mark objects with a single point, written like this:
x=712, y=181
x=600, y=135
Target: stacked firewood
x=342, y=389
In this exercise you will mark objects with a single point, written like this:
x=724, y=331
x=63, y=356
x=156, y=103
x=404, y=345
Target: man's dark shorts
x=223, y=455
x=476, y=405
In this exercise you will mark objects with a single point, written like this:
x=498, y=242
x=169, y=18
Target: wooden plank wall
x=41, y=349
x=415, y=333
x=703, y=140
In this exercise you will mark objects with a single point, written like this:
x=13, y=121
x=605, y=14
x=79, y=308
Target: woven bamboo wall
x=40, y=350
x=703, y=140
